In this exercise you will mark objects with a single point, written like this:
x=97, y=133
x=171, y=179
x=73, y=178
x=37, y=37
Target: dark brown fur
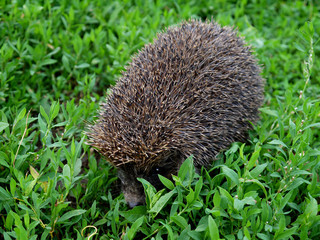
x=194, y=91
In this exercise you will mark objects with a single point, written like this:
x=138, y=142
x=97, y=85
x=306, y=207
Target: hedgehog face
x=133, y=190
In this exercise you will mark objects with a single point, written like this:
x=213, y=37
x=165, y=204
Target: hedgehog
x=193, y=91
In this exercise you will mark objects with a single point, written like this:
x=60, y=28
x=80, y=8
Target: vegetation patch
x=58, y=60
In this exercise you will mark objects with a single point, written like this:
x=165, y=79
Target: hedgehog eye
x=157, y=170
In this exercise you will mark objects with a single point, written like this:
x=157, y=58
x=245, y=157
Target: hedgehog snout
x=132, y=189
x=134, y=204
x=134, y=199
x=133, y=193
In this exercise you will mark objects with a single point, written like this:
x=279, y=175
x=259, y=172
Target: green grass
x=57, y=61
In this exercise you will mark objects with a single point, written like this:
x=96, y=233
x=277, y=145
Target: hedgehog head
x=166, y=165
x=137, y=150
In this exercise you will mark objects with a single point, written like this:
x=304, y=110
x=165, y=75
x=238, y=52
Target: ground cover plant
x=58, y=60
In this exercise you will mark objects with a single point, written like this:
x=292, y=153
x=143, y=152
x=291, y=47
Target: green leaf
x=83, y=65
x=161, y=202
x=313, y=186
x=149, y=190
x=196, y=235
x=55, y=110
x=216, y=212
x=287, y=233
x=241, y=150
x=184, y=234
x=17, y=220
x=216, y=199
x=169, y=229
x=296, y=183
x=44, y=114
x=93, y=209
x=312, y=208
x=9, y=222
x=246, y=233
x=135, y=227
x=198, y=188
x=231, y=174
x=278, y=142
x=135, y=213
x=3, y=161
x=166, y=182
x=13, y=185
x=66, y=63
x=213, y=229
x=3, y=125
x=292, y=128
x=100, y=222
x=254, y=157
x=29, y=187
x=34, y=172
x=45, y=234
x=66, y=172
x=42, y=124
x=265, y=215
x=203, y=224
x=300, y=47
x=186, y=171
x=56, y=50
x=4, y=195
x=263, y=236
x=26, y=219
x=269, y=111
x=317, y=125
x=21, y=115
x=48, y=62
x=190, y=197
x=257, y=170
x=226, y=194
x=70, y=214
x=284, y=200
x=180, y=221
x=259, y=184
x=21, y=232
x=238, y=204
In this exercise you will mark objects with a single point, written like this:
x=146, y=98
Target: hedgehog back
x=194, y=90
